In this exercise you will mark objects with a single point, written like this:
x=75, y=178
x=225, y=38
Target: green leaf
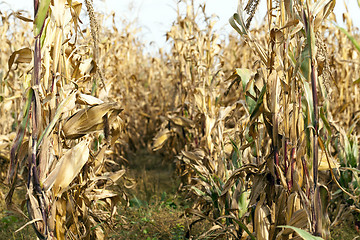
x=236, y=156
x=304, y=61
x=243, y=202
x=135, y=202
x=243, y=226
x=350, y=37
x=304, y=234
x=325, y=121
x=198, y=191
x=246, y=76
x=240, y=23
x=256, y=111
x=40, y=16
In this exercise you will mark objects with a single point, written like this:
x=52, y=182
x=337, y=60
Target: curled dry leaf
x=23, y=55
x=90, y=119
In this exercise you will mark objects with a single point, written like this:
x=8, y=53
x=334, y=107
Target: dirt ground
x=155, y=211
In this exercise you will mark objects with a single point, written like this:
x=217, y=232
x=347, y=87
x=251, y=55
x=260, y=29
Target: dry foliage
x=65, y=125
x=264, y=129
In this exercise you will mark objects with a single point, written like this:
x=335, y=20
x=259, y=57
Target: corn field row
x=263, y=127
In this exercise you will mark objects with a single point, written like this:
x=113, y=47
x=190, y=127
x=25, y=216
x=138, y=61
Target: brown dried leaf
x=90, y=119
x=181, y=121
x=23, y=55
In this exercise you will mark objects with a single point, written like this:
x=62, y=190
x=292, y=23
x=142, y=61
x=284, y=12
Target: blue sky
x=156, y=16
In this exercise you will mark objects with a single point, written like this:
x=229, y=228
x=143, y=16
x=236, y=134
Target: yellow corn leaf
x=86, y=99
x=324, y=165
x=99, y=161
x=68, y=167
x=261, y=222
x=181, y=121
x=194, y=156
x=224, y=112
x=87, y=66
x=60, y=218
x=99, y=233
x=209, y=125
x=160, y=139
x=292, y=205
x=98, y=194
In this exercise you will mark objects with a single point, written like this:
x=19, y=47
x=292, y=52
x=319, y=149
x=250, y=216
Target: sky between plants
x=156, y=16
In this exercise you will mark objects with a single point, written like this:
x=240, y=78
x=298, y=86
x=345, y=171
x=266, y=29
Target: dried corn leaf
x=86, y=99
x=160, y=139
x=87, y=66
x=66, y=105
x=181, y=121
x=90, y=119
x=35, y=212
x=18, y=14
x=23, y=55
x=111, y=176
x=67, y=168
x=261, y=222
x=299, y=219
x=324, y=165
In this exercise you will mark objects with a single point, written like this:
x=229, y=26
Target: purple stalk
x=316, y=197
x=35, y=117
x=292, y=166
x=316, y=120
x=285, y=158
x=276, y=160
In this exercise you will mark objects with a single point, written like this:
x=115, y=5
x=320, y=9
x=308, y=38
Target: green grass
x=160, y=219
x=156, y=208
x=10, y=222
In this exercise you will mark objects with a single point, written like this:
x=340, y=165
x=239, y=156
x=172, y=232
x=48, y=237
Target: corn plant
x=63, y=132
